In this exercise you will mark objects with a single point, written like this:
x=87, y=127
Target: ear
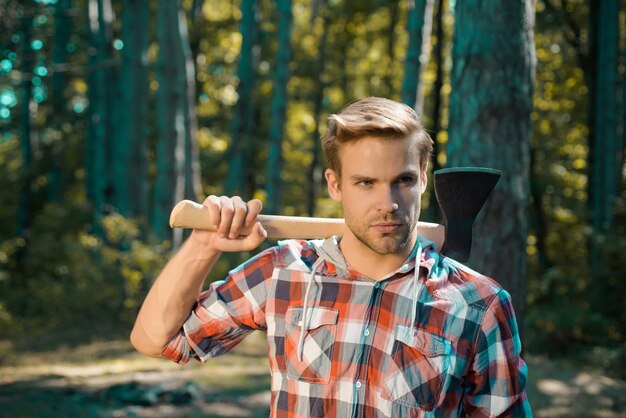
x=424, y=178
x=332, y=180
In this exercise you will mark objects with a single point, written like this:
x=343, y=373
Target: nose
x=388, y=201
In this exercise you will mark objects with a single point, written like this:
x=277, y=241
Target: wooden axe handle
x=188, y=214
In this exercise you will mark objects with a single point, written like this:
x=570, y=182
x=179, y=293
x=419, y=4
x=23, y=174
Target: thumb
x=258, y=234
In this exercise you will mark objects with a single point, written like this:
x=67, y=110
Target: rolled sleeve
x=225, y=313
x=496, y=381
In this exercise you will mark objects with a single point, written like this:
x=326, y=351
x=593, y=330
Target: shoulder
x=450, y=279
x=289, y=254
x=296, y=254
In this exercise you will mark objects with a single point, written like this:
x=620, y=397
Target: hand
x=229, y=216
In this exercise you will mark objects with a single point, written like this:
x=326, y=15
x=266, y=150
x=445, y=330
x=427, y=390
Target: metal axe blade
x=461, y=193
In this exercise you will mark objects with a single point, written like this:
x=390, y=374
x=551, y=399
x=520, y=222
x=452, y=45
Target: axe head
x=461, y=192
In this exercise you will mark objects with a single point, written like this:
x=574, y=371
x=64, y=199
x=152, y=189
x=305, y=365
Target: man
x=369, y=324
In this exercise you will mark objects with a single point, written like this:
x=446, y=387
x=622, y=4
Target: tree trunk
x=538, y=217
x=315, y=171
x=341, y=41
x=394, y=11
x=62, y=29
x=605, y=150
x=419, y=27
x=26, y=140
x=490, y=106
x=187, y=83
x=239, y=155
x=195, y=29
x=129, y=160
x=195, y=12
x=438, y=86
x=603, y=147
x=170, y=151
x=433, y=212
x=622, y=153
x=279, y=108
x=425, y=55
x=101, y=84
x=589, y=68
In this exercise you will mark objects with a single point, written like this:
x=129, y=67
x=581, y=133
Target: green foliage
x=571, y=310
x=571, y=315
x=66, y=276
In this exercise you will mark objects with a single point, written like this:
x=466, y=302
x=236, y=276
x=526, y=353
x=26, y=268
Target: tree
x=62, y=29
x=195, y=28
x=391, y=44
x=26, y=140
x=175, y=117
x=187, y=85
x=419, y=29
x=279, y=107
x=490, y=105
x=605, y=172
x=597, y=56
x=101, y=84
x=605, y=157
x=129, y=160
x=315, y=171
x=622, y=155
x=433, y=212
x=239, y=153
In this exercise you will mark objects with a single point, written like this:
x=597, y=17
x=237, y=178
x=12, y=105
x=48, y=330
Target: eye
x=365, y=182
x=406, y=180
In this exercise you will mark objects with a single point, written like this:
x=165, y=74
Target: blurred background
x=111, y=111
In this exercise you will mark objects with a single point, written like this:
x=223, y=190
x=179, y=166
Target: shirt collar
x=336, y=264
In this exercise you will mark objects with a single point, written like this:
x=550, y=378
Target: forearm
x=172, y=296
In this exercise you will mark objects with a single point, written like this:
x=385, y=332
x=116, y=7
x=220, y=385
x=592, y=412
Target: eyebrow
x=358, y=177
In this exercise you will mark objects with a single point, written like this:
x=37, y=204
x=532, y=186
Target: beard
x=382, y=243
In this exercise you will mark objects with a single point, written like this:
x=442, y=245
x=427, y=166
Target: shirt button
x=377, y=285
x=366, y=332
x=357, y=384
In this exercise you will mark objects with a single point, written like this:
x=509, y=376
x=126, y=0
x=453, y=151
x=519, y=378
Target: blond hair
x=377, y=117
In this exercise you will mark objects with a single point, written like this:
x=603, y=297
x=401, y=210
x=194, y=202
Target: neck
x=368, y=262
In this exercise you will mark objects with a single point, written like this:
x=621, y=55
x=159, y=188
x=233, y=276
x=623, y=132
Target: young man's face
x=380, y=190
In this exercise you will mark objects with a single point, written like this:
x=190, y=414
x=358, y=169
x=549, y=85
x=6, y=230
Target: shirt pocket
x=417, y=368
x=319, y=342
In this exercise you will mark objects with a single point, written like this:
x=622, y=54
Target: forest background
x=111, y=111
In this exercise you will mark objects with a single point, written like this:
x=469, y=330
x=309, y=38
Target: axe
x=461, y=192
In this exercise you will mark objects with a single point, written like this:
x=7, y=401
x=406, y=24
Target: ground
x=109, y=379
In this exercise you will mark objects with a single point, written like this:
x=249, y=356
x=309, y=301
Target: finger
x=213, y=204
x=244, y=243
x=238, y=218
x=254, y=208
x=258, y=234
x=227, y=211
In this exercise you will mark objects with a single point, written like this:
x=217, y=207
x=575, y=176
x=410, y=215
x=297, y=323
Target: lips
x=386, y=227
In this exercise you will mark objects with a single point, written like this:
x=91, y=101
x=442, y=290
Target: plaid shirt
x=442, y=344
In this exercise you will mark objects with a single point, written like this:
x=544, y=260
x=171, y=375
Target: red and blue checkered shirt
x=442, y=344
